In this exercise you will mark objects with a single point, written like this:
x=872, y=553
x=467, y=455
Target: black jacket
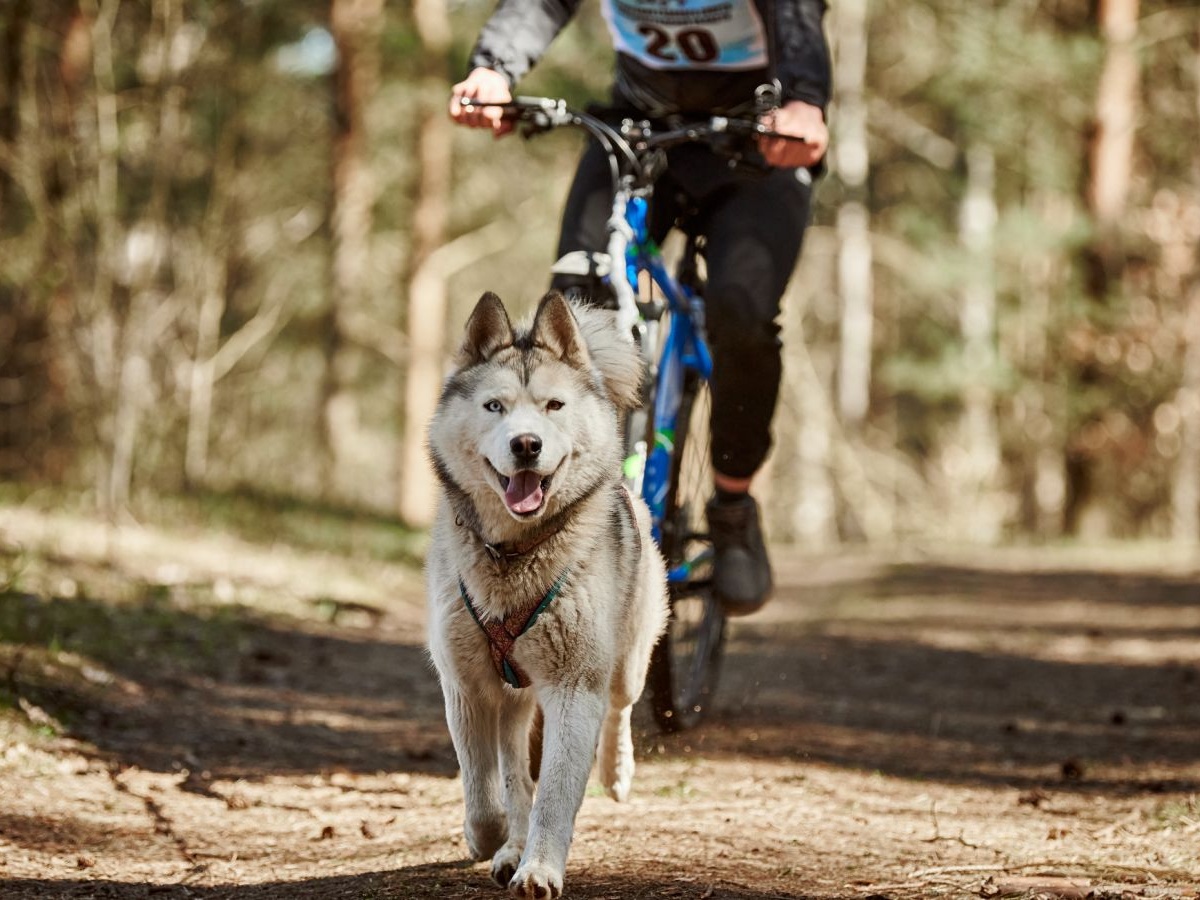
x=519, y=31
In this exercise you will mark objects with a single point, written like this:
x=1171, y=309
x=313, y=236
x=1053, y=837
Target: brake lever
x=768, y=97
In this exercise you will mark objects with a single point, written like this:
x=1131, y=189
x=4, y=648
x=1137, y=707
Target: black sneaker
x=741, y=571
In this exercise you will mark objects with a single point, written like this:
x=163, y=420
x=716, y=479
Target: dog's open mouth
x=524, y=491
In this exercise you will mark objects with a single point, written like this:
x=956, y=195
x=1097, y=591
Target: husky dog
x=545, y=589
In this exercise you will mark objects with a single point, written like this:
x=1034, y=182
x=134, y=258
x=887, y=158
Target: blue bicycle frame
x=685, y=662
x=684, y=348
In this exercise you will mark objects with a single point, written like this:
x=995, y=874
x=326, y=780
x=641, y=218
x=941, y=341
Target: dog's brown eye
x=554, y=405
x=494, y=406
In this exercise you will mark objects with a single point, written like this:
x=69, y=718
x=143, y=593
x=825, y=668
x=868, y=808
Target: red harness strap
x=502, y=635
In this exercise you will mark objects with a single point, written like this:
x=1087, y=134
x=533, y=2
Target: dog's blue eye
x=554, y=405
x=494, y=406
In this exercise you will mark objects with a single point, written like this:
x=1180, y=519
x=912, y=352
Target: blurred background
x=238, y=238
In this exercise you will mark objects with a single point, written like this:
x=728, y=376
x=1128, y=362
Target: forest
x=239, y=238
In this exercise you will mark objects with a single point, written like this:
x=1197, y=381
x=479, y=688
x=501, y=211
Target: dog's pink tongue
x=524, y=492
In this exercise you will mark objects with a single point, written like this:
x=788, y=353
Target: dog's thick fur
x=563, y=383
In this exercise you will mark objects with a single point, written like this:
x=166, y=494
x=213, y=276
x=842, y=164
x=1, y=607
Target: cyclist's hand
x=795, y=119
x=482, y=86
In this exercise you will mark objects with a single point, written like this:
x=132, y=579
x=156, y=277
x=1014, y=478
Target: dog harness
x=502, y=634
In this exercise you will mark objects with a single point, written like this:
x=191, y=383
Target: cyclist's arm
x=802, y=63
x=518, y=33
x=510, y=44
x=802, y=66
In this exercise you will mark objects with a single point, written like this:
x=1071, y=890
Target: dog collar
x=503, y=633
x=503, y=553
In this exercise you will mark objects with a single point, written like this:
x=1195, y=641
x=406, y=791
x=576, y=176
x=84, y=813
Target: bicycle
x=668, y=439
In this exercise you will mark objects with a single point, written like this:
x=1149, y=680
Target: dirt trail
x=883, y=731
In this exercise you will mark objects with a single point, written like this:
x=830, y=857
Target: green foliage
x=259, y=517
x=141, y=632
x=223, y=163
x=1183, y=813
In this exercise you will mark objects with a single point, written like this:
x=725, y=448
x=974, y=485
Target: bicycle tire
x=685, y=665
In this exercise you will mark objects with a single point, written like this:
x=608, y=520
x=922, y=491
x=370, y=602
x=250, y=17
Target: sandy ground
x=192, y=716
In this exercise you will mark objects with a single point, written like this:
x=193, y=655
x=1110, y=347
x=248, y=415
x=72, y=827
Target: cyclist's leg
x=584, y=233
x=754, y=233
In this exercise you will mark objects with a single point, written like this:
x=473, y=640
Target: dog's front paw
x=485, y=836
x=505, y=863
x=536, y=881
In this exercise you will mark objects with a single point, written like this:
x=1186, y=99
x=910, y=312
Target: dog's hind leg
x=616, y=738
x=572, y=723
x=616, y=752
x=474, y=725
x=516, y=715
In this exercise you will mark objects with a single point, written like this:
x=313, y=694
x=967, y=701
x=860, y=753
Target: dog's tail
x=535, y=745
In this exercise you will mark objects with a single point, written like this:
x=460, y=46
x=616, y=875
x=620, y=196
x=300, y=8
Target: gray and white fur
x=527, y=447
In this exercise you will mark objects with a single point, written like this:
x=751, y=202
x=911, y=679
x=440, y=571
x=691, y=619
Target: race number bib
x=688, y=34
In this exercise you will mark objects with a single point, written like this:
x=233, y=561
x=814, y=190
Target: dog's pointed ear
x=555, y=328
x=488, y=331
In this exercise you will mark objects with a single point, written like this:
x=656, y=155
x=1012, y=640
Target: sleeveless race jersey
x=688, y=34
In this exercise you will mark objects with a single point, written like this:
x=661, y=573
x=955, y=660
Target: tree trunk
x=356, y=26
x=798, y=474
x=14, y=23
x=814, y=513
x=119, y=371
x=977, y=469
x=851, y=160
x=426, y=284
x=210, y=285
x=1111, y=149
x=28, y=408
x=1110, y=169
x=855, y=257
x=212, y=282
x=1039, y=408
x=1185, y=486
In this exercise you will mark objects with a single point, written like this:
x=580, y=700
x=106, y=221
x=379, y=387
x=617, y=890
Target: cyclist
x=697, y=58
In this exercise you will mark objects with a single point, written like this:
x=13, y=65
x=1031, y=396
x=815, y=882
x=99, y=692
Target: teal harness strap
x=502, y=635
x=555, y=590
x=466, y=599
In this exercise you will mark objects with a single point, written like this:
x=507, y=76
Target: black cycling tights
x=753, y=223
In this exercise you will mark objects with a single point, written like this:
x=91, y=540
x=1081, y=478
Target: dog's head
x=530, y=419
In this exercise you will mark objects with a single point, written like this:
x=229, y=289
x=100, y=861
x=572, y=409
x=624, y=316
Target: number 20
x=696, y=44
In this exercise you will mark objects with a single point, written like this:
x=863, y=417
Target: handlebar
x=636, y=153
x=634, y=142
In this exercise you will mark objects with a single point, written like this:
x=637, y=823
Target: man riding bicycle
x=697, y=58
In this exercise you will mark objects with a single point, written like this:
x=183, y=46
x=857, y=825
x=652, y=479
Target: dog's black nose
x=526, y=446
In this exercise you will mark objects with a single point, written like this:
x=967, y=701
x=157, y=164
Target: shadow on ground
x=1081, y=680
x=437, y=880
x=990, y=585
x=223, y=689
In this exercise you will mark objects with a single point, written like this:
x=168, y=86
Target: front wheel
x=686, y=662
